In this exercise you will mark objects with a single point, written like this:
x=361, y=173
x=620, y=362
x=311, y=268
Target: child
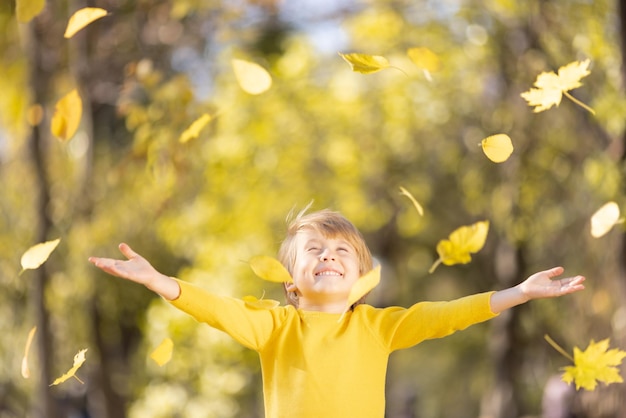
x=315, y=361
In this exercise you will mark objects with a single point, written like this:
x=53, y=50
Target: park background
x=199, y=209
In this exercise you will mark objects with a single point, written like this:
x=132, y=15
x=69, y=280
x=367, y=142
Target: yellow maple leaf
x=67, y=114
x=26, y=10
x=551, y=87
x=603, y=220
x=252, y=78
x=498, y=148
x=79, y=359
x=36, y=255
x=163, y=353
x=364, y=63
x=417, y=205
x=29, y=341
x=193, y=131
x=82, y=18
x=596, y=364
x=461, y=243
x=362, y=287
x=270, y=269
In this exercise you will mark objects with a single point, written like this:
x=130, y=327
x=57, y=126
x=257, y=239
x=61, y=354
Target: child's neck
x=337, y=307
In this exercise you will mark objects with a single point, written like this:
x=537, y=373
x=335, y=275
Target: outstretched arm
x=138, y=270
x=539, y=285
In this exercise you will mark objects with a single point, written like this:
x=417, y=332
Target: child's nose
x=327, y=254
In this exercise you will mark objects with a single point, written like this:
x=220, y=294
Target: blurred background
x=200, y=209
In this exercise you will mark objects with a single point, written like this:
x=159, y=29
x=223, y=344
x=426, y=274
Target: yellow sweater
x=315, y=366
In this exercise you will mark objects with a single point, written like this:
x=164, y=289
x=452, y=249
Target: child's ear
x=291, y=287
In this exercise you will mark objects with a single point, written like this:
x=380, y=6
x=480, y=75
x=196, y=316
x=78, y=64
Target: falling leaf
x=461, y=243
x=82, y=18
x=498, y=148
x=26, y=10
x=593, y=365
x=79, y=359
x=260, y=303
x=418, y=207
x=603, y=220
x=252, y=78
x=163, y=353
x=29, y=341
x=36, y=255
x=362, y=287
x=550, y=87
x=194, y=129
x=425, y=59
x=365, y=64
x=67, y=114
x=270, y=269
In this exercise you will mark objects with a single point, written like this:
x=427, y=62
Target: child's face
x=324, y=270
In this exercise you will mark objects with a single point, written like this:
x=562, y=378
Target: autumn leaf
x=260, y=303
x=270, y=269
x=79, y=359
x=498, y=148
x=193, y=131
x=163, y=353
x=364, y=63
x=36, y=255
x=252, y=78
x=29, y=341
x=418, y=207
x=550, y=87
x=425, y=59
x=26, y=10
x=362, y=287
x=603, y=220
x=82, y=18
x=67, y=114
x=461, y=243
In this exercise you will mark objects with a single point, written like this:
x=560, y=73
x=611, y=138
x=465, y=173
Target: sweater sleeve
x=249, y=325
x=405, y=327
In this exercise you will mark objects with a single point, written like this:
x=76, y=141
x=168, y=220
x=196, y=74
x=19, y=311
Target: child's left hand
x=543, y=285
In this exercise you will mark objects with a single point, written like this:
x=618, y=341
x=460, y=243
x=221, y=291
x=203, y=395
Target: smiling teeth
x=328, y=273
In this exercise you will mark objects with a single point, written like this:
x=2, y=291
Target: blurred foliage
x=322, y=133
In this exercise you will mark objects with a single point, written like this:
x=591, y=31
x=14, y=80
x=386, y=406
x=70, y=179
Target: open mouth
x=328, y=273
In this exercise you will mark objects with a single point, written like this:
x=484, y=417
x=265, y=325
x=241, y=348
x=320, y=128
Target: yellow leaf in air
x=29, y=341
x=604, y=219
x=194, y=129
x=36, y=255
x=252, y=78
x=79, y=359
x=260, y=303
x=163, y=353
x=596, y=364
x=550, y=87
x=425, y=59
x=270, y=269
x=82, y=18
x=67, y=114
x=461, y=243
x=362, y=287
x=418, y=207
x=365, y=64
x=26, y=10
x=498, y=148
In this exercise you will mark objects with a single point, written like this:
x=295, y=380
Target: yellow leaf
x=29, y=341
x=36, y=255
x=418, y=207
x=595, y=364
x=550, y=87
x=163, y=353
x=252, y=78
x=365, y=64
x=362, y=287
x=82, y=18
x=67, y=114
x=461, y=243
x=26, y=10
x=498, y=148
x=270, y=269
x=425, y=59
x=194, y=129
x=79, y=359
x=260, y=303
x=604, y=219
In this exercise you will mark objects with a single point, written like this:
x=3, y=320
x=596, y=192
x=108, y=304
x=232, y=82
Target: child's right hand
x=138, y=270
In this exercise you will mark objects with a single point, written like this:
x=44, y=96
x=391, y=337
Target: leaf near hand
x=82, y=18
x=595, y=364
x=498, y=148
x=603, y=220
x=461, y=243
x=252, y=78
x=29, y=341
x=365, y=64
x=270, y=269
x=67, y=114
x=163, y=353
x=194, y=129
x=36, y=255
x=79, y=359
x=26, y=10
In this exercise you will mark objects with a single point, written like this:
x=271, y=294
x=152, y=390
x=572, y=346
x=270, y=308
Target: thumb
x=555, y=271
x=127, y=251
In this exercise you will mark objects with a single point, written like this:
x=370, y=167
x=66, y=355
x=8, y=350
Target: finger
x=127, y=251
x=555, y=271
